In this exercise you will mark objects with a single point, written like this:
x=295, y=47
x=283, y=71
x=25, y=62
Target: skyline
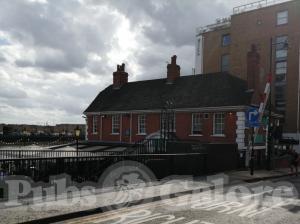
x=55, y=56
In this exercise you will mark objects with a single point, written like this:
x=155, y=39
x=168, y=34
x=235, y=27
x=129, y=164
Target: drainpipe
x=101, y=127
x=130, y=127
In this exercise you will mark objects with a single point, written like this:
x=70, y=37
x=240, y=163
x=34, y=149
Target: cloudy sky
x=56, y=55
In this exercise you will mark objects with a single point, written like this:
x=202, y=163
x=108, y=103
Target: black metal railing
x=11, y=140
x=151, y=146
x=27, y=154
x=91, y=167
x=256, y=5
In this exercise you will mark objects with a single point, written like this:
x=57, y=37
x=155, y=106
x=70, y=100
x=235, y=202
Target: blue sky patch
x=3, y=41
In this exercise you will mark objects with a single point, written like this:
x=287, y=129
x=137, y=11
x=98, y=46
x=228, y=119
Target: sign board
x=252, y=117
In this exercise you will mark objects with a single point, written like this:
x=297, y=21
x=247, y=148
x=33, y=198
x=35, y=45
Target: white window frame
x=199, y=121
x=95, y=124
x=142, y=124
x=215, y=133
x=115, y=124
x=282, y=17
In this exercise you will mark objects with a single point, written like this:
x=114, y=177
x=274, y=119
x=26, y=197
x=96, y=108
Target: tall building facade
x=274, y=28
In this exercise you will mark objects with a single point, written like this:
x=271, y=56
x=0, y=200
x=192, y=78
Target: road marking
x=229, y=208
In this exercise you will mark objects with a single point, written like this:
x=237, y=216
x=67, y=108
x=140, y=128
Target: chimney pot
x=173, y=70
x=120, y=77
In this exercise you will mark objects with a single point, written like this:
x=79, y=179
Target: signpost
x=252, y=117
x=252, y=121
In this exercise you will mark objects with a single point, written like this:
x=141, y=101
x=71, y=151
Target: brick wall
x=257, y=27
x=183, y=128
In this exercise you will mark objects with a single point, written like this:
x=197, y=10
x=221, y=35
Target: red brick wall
x=183, y=128
x=90, y=135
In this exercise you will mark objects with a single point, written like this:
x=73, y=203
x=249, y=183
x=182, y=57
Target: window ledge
x=195, y=135
x=95, y=133
x=142, y=134
x=283, y=24
x=115, y=134
x=221, y=136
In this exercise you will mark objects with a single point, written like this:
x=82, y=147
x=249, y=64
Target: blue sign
x=252, y=117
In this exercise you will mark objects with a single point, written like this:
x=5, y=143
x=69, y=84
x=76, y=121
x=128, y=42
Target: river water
x=35, y=147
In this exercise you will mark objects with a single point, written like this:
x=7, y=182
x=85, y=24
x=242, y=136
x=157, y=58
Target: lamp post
x=77, y=134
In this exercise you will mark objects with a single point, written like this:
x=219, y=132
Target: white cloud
x=56, y=55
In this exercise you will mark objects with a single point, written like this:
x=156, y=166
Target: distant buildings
x=270, y=27
x=24, y=129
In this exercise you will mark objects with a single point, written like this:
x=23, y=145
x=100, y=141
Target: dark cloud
x=173, y=22
x=23, y=63
x=56, y=56
x=60, y=32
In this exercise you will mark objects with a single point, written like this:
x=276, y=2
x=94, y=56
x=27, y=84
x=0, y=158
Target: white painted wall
x=240, y=131
x=199, y=54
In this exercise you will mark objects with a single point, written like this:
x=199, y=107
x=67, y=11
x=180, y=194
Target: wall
x=213, y=50
x=183, y=128
x=257, y=27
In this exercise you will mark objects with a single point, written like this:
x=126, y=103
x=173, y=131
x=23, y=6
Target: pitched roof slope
x=208, y=90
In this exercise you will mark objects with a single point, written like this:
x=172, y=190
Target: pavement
x=84, y=204
x=244, y=175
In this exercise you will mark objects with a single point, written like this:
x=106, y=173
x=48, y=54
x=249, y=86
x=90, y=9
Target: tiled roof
x=208, y=90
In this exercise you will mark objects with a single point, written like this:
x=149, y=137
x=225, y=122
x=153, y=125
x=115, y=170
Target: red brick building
x=274, y=28
x=206, y=108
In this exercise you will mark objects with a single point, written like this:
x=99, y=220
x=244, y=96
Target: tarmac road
x=269, y=202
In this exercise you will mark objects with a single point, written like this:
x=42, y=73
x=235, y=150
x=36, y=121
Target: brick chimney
x=173, y=70
x=120, y=77
x=253, y=74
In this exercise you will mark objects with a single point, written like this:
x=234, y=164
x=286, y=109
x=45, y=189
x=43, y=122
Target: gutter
x=197, y=109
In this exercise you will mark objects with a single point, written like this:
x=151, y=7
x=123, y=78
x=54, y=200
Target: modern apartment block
x=274, y=28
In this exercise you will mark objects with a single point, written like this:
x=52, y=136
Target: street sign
x=252, y=117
